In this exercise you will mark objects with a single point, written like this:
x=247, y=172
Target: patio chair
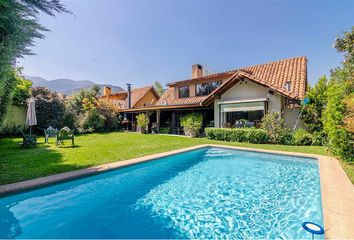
x=49, y=132
x=65, y=134
x=29, y=140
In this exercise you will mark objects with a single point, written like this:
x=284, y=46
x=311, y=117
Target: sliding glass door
x=249, y=113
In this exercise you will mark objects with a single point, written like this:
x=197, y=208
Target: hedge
x=15, y=118
x=251, y=135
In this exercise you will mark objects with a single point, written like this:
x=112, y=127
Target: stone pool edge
x=337, y=193
x=336, y=189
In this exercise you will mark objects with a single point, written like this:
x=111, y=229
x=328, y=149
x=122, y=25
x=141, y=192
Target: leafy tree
x=110, y=112
x=88, y=113
x=88, y=104
x=19, y=27
x=349, y=115
x=7, y=84
x=345, y=44
x=159, y=88
x=312, y=112
x=21, y=91
x=340, y=140
x=339, y=111
x=50, y=109
x=82, y=101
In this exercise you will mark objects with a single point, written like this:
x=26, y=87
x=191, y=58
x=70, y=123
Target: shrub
x=91, y=121
x=70, y=120
x=257, y=135
x=251, y=135
x=15, y=119
x=142, y=121
x=50, y=109
x=110, y=112
x=192, y=123
x=274, y=125
x=165, y=130
x=319, y=139
x=286, y=137
x=302, y=137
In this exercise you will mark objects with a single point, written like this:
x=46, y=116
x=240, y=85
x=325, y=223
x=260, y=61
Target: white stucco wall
x=290, y=115
x=245, y=91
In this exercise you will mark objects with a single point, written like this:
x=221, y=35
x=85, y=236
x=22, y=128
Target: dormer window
x=204, y=89
x=183, y=92
x=287, y=86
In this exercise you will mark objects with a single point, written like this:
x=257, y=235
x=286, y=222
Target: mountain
x=67, y=86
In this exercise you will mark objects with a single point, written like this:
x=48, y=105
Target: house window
x=247, y=113
x=203, y=89
x=252, y=118
x=183, y=92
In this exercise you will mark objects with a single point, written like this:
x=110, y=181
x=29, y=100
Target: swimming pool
x=204, y=193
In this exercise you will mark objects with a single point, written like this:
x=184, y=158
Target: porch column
x=204, y=121
x=158, y=120
x=174, y=123
x=132, y=122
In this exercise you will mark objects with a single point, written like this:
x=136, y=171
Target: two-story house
x=224, y=98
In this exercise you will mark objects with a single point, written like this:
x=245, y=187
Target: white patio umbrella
x=31, y=118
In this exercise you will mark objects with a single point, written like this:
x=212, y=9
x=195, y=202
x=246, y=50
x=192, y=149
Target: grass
x=349, y=169
x=17, y=164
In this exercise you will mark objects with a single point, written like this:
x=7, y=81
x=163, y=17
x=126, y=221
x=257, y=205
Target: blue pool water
x=205, y=193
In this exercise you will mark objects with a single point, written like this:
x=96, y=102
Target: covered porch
x=166, y=120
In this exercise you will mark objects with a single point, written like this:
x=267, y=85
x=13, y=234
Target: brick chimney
x=107, y=91
x=197, y=71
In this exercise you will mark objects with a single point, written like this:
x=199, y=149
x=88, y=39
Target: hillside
x=67, y=86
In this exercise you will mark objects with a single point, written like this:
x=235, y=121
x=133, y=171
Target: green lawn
x=18, y=164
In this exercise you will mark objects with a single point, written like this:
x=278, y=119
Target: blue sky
x=116, y=42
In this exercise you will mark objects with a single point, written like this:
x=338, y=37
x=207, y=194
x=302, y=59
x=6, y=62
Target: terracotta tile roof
x=119, y=103
x=168, y=97
x=276, y=74
x=139, y=93
x=136, y=95
x=273, y=75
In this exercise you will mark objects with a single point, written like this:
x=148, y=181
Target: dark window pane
x=253, y=117
x=203, y=89
x=183, y=92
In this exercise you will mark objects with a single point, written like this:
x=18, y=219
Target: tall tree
x=345, y=44
x=19, y=27
x=159, y=88
x=49, y=107
x=312, y=112
x=21, y=91
x=340, y=96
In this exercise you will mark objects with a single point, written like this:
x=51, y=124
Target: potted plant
x=154, y=127
x=192, y=123
x=143, y=121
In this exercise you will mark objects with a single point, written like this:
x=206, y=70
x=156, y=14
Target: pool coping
x=336, y=189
